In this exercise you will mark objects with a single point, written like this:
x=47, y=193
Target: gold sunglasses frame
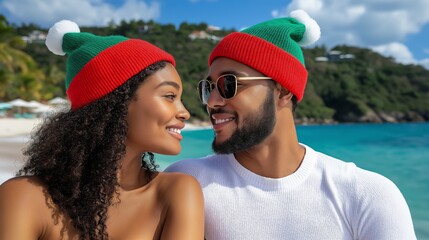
x=237, y=78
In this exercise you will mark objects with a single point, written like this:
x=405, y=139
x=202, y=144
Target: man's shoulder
x=330, y=165
x=349, y=175
x=210, y=162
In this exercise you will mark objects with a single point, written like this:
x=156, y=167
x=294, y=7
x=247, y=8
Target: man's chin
x=219, y=139
x=218, y=146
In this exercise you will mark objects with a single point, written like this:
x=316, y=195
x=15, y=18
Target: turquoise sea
x=398, y=151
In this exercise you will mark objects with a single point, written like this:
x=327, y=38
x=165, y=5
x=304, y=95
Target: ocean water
x=400, y=152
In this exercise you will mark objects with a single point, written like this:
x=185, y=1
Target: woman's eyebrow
x=169, y=83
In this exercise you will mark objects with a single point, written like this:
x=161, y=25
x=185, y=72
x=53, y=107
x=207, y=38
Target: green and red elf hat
x=274, y=49
x=97, y=65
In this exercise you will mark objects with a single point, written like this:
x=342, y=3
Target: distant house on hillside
x=203, y=35
x=335, y=56
x=321, y=59
x=347, y=57
x=144, y=29
x=35, y=36
x=213, y=28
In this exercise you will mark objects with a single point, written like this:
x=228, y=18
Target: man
x=264, y=184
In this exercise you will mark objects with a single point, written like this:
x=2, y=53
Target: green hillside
x=366, y=87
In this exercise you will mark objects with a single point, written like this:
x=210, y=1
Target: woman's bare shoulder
x=171, y=180
x=24, y=193
x=175, y=184
x=184, y=198
x=23, y=207
x=18, y=186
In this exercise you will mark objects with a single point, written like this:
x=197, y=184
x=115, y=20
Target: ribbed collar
x=271, y=184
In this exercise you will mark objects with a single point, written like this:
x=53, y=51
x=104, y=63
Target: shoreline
x=11, y=128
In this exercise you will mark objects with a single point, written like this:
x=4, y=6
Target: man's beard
x=255, y=128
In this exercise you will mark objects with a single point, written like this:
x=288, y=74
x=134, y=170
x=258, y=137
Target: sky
x=394, y=28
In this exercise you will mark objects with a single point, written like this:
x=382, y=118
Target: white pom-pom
x=54, y=40
x=312, y=29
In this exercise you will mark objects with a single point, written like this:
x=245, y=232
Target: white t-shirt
x=325, y=198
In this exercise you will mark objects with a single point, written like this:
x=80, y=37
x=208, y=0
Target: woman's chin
x=171, y=151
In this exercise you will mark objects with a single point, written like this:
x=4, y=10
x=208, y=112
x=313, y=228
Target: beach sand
x=11, y=158
x=11, y=127
x=14, y=135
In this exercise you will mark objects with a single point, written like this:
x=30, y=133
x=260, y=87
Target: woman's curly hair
x=76, y=155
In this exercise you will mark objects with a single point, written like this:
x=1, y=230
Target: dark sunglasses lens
x=227, y=86
x=204, y=89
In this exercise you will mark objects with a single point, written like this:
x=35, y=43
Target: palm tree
x=19, y=75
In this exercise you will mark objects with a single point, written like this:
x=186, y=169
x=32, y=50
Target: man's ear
x=285, y=95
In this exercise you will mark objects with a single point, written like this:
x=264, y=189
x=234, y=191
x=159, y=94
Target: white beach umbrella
x=58, y=101
x=19, y=103
x=36, y=104
x=42, y=109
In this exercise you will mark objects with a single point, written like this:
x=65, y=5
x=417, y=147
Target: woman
x=90, y=173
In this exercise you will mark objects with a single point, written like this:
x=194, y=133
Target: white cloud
x=275, y=13
x=365, y=23
x=396, y=50
x=425, y=63
x=308, y=5
x=400, y=53
x=83, y=12
x=368, y=22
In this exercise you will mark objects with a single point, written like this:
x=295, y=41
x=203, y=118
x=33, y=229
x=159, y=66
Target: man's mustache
x=221, y=110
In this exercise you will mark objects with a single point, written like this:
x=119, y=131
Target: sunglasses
x=226, y=86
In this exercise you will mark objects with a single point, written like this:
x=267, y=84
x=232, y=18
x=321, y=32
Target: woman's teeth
x=176, y=130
